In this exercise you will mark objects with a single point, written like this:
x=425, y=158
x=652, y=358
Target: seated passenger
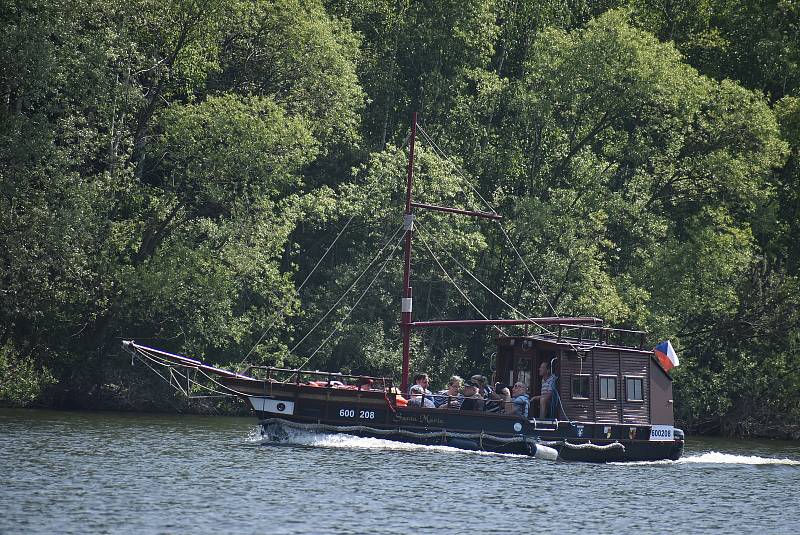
x=419, y=395
x=451, y=397
x=473, y=401
x=498, y=399
x=364, y=383
x=483, y=385
x=519, y=401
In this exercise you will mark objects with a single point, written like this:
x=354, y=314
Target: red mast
x=406, y=306
x=406, y=322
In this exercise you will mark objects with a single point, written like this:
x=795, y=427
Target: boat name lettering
x=421, y=419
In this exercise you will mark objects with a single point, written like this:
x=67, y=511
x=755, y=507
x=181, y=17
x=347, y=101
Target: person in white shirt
x=418, y=394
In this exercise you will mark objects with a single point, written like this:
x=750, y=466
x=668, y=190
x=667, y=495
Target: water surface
x=78, y=472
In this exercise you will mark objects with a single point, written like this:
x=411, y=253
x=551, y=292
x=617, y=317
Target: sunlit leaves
x=175, y=170
x=228, y=151
x=293, y=52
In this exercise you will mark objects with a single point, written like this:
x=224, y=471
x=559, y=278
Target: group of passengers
x=477, y=395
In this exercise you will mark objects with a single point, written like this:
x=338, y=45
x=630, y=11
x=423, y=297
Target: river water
x=79, y=472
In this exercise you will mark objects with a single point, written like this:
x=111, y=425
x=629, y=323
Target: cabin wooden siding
x=581, y=410
x=635, y=365
x=609, y=361
x=606, y=362
x=661, y=396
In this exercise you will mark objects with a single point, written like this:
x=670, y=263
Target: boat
x=611, y=401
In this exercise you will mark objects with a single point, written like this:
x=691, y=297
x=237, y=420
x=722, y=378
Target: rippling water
x=63, y=472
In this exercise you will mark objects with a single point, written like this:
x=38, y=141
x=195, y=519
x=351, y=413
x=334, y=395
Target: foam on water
x=336, y=440
x=254, y=436
x=715, y=457
x=327, y=440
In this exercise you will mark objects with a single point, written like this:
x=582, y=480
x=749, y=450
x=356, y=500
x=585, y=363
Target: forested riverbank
x=173, y=171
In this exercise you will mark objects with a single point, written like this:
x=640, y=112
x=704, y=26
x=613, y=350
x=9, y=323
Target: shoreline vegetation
x=172, y=172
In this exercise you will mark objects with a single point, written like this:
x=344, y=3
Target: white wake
x=336, y=440
x=715, y=457
x=333, y=440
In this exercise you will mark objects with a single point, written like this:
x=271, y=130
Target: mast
x=408, y=226
x=406, y=321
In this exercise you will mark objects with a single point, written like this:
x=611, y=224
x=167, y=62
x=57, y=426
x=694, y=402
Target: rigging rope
x=313, y=270
x=142, y=354
x=348, y=290
x=352, y=308
x=538, y=286
x=283, y=309
x=457, y=169
x=474, y=277
x=461, y=174
x=512, y=307
x=463, y=294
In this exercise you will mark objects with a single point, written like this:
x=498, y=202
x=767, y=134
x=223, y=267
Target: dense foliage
x=173, y=171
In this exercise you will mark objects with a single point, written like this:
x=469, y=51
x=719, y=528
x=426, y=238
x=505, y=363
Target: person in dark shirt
x=473, y=401
x=483, y=385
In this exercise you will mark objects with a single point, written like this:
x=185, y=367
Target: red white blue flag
x=666, y=355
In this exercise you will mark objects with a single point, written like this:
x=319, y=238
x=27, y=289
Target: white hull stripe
x=276, y=406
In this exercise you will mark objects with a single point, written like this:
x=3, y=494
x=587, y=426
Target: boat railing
x=300, y=376
x=544, y=425
x=602, y=335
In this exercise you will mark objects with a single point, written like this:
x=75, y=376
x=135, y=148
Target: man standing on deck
x=548, y=385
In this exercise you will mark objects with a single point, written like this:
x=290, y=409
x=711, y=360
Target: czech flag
x=666, y=355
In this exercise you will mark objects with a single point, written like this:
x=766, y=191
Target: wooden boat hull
x=567, y=449
x=374, y=414
x=324, y=406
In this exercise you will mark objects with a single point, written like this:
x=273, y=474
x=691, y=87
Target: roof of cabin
x=575, y=343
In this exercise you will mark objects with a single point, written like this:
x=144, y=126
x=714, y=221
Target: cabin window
x=634, y=389
x=608, y=387
x=580, y=386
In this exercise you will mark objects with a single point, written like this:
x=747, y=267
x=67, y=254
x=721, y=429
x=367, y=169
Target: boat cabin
x=603, y=375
